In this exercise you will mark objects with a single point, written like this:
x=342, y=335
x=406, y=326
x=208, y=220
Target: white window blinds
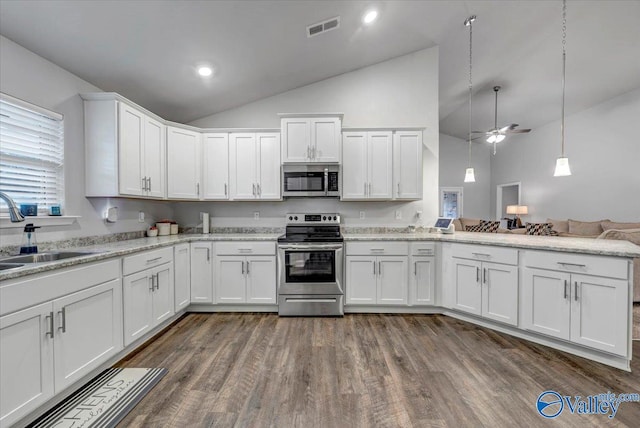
x=31, y=153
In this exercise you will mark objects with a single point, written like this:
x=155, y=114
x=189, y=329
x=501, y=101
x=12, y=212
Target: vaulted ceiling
x=148, y=50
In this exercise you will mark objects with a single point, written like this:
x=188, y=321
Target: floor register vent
x=323, y=27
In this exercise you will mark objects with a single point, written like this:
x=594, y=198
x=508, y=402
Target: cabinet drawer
x=375, y=248
x=507, y=256
x=148, y=259
x=245, y=248
x=422, y=248
x=577, y=263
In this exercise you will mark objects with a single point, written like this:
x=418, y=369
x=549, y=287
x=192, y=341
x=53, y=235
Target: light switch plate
x=256, y=215
x=398, y=215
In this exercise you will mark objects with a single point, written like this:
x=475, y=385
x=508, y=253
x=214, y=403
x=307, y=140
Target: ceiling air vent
x=323, y=27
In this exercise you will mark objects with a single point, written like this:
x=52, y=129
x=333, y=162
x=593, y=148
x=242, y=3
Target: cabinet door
x=268, y=146
x=182, y=276
x=138, y=305
x=380, y=167
x=215, y=148
x=500, y=292
x=422, y=281
x=243, y=166
x=467, y=287
x=392, y=280
x=163, y=293
x=546, y=302
x=88, y=330
x=201, y=272
x=296, y=145
x=261, y=279
x=183, y=164
x=154, y=151
x=230, y=274
x=354, y=166
x=26, y=361
x=407, y=165
x=325, y=140
x=361, y=280
x=130, y=142
x=597, y=304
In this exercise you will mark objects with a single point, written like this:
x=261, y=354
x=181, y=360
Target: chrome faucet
x=14, y=212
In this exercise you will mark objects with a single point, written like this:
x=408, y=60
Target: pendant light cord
x=564, y=66
x=470, y=24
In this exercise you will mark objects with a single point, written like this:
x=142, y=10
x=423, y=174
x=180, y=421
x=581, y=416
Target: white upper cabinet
x=367, y=165
x=407, y=165
x=125, y=151
x=254, y=166
x=215, y=171
x=311, y=139
x=183, y=164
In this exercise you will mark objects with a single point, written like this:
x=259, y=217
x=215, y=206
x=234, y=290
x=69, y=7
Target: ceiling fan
x=496, y=135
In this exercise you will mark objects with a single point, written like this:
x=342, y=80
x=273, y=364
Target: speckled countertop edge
x=122, y=248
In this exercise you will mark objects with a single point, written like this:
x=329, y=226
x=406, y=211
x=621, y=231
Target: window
x=31, y=153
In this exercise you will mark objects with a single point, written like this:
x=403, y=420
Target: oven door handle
x=311, y=247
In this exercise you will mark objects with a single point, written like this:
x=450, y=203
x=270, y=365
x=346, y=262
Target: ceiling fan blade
x=518, y=131
x=479, y=132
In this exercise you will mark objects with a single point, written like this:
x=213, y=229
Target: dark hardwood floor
x=259, y=370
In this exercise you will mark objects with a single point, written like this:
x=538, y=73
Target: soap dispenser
x=29, y=244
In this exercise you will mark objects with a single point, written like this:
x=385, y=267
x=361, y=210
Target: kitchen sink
x=5, y=266
x=43, y=257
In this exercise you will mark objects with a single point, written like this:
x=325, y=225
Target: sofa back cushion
x=606, y=225
x=560, y=226
x=542, y=229
x=585, y=228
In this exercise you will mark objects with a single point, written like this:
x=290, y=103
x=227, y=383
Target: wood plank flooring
x=259, y=370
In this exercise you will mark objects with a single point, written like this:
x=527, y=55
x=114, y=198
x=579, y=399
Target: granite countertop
x=109, y=250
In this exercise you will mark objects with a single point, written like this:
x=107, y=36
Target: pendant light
x=562, y=163
x=469, y=176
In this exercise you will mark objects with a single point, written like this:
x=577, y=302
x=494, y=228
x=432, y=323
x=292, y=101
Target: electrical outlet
x=398, y=215
x=361, y=215
x=419, y=215
x=141, y=217
x=256, y=215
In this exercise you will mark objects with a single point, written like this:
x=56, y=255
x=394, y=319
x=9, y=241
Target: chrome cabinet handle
x=398, y=189
x=152, y=285
x=365, y=189
x=149, y=188
x=259, y=189
x=374, y=268
x=484, y=275
x=477, y=274
x=154, y=259
x=575, y=287
x=308, y=152
x=415, y=268
x=313, y=152
x=63, y=319
x=208, y=254
x=254, y=188
x=572, y=264
x=157, y=281
x=566, y=283
x=225, y=189
x=379, y=268
x=248, y=267
x=50, y=318
x=481, y=254
x=144, y=183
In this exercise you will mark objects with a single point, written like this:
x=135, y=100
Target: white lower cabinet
x=485, y=288
x=241, y=278
x=422, y=274
x=201, y=272
x=584, y=309
x=47, y=347
x=148, y=295
x=182, y=272
x=380, y=280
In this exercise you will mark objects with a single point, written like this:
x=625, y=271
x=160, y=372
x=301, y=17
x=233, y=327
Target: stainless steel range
x=310, y=266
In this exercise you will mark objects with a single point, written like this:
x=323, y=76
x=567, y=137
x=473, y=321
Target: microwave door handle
x=326, y=181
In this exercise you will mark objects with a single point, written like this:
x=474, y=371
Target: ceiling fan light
x=562, y=167
x=491, y=139
x=469, y=176
x=499, y=138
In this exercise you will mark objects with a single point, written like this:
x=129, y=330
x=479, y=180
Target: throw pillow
x=606, y=225
x=559, y=225
x=540, y=229
x=469, y=222
x=474, y=228
x=585, y=227
x=489, y=226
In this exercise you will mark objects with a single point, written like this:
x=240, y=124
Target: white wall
x=454, y=159
x=603, y=148
x=30, y=77
x=401, y=92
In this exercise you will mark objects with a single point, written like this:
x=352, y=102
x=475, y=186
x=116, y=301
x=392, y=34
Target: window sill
x=42, y=221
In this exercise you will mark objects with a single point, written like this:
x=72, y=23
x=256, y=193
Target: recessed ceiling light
x=370, y=16
x=205, y=71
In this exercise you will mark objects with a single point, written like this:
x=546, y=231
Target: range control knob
x=290, y=218
x=335, y=218
x=295, y=218
x=324, y=217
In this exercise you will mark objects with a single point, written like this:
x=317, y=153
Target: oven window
x=304, y=182
x=310, y=266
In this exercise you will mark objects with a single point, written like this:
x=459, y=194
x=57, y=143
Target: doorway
x=451, y=202
x=506, y=194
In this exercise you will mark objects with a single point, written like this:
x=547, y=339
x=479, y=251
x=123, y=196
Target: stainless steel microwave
x=310, y=180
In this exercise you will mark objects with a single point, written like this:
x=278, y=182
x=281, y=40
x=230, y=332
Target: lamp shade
x=512, y=209
x=469, y=176
x=562, y=167
x=522, y=209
